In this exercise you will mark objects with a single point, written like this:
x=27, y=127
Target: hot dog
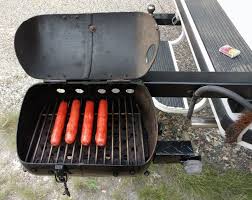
x=72, y=125
x=87, y=126
x=59, y=124
x=102, y=118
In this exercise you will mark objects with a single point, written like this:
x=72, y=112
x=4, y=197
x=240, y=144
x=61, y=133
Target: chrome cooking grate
x=126, y=142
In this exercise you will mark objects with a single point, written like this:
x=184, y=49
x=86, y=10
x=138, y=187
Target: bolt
x=92, y=28
x=150, y=8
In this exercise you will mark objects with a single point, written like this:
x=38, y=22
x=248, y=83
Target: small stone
x=208, y=139
x=224, y=158
x=103, y=191
x=237, y=148
x=45, y=178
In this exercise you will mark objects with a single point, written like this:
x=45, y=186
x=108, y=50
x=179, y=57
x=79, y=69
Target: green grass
x=160, y=191
x=13, y=187
x=212, y=184
x=117, y=195
x=173, y=183
x=87, y=184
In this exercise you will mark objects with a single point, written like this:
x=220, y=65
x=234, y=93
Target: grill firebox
x=131, y=124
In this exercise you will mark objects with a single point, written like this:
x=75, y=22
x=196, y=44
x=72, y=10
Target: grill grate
x=126, y=141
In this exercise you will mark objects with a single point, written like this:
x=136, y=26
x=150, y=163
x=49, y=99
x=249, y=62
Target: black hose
x=220, y=90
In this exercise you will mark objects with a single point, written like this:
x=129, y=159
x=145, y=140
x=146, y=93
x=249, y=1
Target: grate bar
x=112, y=134
x=126, y=129
x=73, y=152
x=116, y=113
x=96, y=153
x=50, y=153
x=141, y=133
x=133, y=128
x=66, y=149
x=40, y=134
x=88, y=161
x=104, y=155
x=81, y=105
x=66, y=121
x=48, y=133
x=34, y=133
x=58, y=151
x=119, y=131
x=80, y=156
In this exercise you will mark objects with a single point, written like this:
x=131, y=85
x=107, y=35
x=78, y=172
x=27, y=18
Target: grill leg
x=62, y=177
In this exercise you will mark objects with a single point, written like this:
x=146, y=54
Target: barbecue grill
x=132, y=130
x=78, y=57
x=101, y=56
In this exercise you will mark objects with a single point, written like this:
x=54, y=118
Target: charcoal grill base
x=132, y=130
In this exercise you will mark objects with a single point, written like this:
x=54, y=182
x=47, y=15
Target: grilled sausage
x=72, y=125
x=87, y=126
x=102, y=118
x=59, y=124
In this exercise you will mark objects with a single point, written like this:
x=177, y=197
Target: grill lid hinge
x=62, y=177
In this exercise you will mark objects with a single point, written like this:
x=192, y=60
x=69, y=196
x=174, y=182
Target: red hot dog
x=59, y=124
x=102, y=118
x=72, y=125
x=87, y=126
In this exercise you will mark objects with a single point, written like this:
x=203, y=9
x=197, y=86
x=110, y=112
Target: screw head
x=151, y=8
x=92, y=28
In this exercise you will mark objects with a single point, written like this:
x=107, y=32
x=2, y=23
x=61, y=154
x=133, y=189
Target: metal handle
x=151, y=8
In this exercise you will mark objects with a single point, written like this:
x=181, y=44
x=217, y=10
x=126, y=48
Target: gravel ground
x=14, y=82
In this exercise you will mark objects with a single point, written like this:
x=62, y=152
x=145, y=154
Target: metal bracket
x=174, y=152
x=62, y=177
x=167, y=19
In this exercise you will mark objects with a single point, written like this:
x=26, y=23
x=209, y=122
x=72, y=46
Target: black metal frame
x=174, y=152
x=183, y=84
x=166, y=19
